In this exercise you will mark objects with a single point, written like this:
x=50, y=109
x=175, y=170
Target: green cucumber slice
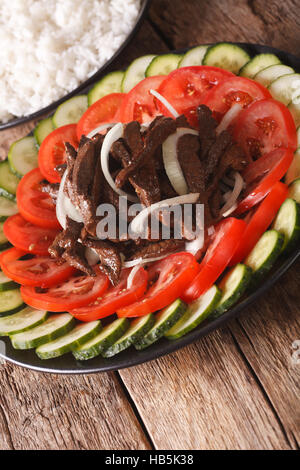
x=193, y=56
x=287, y=222
x=6, y=283
x=293, y=172
x=233, y=286
x=135, y=72
x=10, y=302
x=22, y=321
x=286, y=88
x=43, y=129
x=54, y=327
x=7, y=208
x=23, y=156
x=69, y=342
x=226, y=56
x=269, y=74
x=4, y=243
x=265, y=253
x=258, y=63
x=111, y=83
x=294, y=190
x=195, y=314
x=103, y=340
x=138, y=328
x=70, y=111
x=8, y=181
x=164, y=320
x=163, y=64
x=294, y=108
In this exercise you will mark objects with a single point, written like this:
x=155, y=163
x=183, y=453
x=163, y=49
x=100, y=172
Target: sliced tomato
x=35, y=205
x=261, y=175
x=264, y=126
x=102, y=111
x=185, y=87
x=233, y=90
x=115, y=297
x=224, y=243
x=170, y=277
x=28, y=237
x=260, y=221
x=140, y=104
x=39, y=271
x=75, y=292
x=52, y=152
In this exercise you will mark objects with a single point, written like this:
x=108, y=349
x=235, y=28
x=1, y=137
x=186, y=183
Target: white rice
x=48, y=47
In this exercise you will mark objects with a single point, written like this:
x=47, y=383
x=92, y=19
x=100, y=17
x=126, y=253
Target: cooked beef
x=188, y=149
x=51, y=189
x=110, y=260
x=207, y=129
x=217, y=149
x=156, y=249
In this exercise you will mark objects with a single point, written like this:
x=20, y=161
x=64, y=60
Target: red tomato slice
x=264, y=126
x=52, y=151
x=173, y=275
x=185, y=87
x=268, y=169
x=225, y=241
x=34, y=205
x=139, y=104
x=233, y=90
x=102, y=111
x=115, y=298
x=37, y=271
x=75, y=292
x=28, y=237
x=260, y=221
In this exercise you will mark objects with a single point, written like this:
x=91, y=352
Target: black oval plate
x=87, y=83
x=130, y=357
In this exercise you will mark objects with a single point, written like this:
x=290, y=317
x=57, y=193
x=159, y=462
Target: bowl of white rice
x=54, y=49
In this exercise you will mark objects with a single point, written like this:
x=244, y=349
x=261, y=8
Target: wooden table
x=238, y=388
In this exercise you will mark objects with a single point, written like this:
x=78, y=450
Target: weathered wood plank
x=194, y=22
x=40, y=411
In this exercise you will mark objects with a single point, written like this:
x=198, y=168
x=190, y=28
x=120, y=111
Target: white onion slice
x=140, y=261
x=100, y=128
x=114, y=134
x=171, y=163
x=165, y=103
x=91, y=256
x=136, y=225
x=229, y=117
x=64, y=206
x=232, y=198
x=132, y=275
x=195, y=245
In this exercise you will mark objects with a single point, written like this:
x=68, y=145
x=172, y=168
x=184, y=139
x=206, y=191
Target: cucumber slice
x=258, y=63
x=164, y=320
x=4, y=243
x=138, y=328
x=103, y=340
x=8, y=181
x=54, y=327
x=7, y=208
x=70, y=111
x=69, y=342
x=135, y=72
x=226, y=56
x=193, y=56
x=265, y=253
x=111, y=83
x=294, y=108
x=233, y=286
x=10, y=302
x=196, y=313
x=294, y=190
x=163, y=64
x=23, y=156
x=287, y=222
x=269, y=74
x=293, y=172
x=6, y=283
x=22, y=321
x=286, y=88
x=43, y=128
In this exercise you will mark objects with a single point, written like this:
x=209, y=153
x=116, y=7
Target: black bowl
x=87, y=83
x=130, y=357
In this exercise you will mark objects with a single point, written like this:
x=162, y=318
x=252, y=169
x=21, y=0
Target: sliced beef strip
x=188, y=148
x=51, y=189
x=76, y=257
x=215, y=153
x=156, y=249
x=110, y=259
x=207, y=129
